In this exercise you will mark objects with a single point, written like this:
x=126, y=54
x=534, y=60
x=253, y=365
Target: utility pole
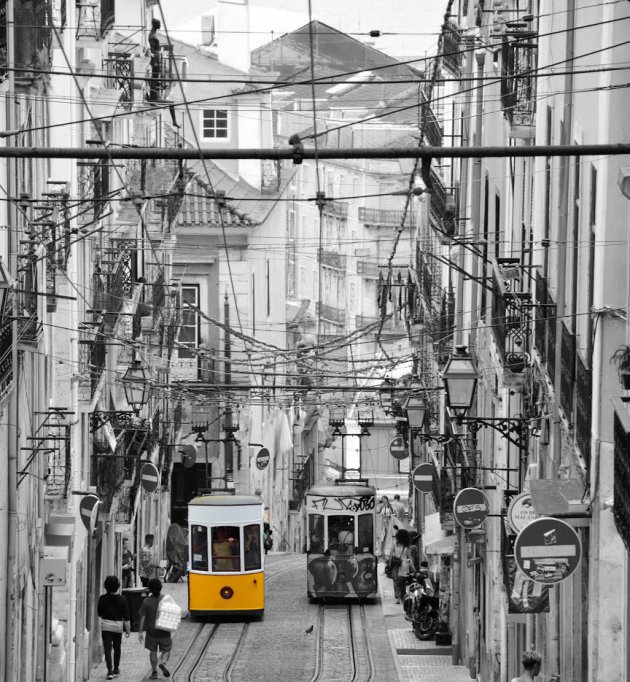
x=227, y=378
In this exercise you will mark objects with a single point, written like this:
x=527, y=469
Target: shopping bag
x=168, y=614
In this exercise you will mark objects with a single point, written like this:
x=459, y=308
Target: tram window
x=199, y=545
x=341, y=533
x=252, y=547
x=226, y=548
x=316, y=533
x=366, y=533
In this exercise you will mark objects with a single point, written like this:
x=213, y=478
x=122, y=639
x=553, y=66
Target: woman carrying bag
x=401, y=563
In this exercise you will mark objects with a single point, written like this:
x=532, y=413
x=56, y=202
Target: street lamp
x=416, y=408
x=337, y=418
x=136, y=386
x=460, y=381
x=365, y=419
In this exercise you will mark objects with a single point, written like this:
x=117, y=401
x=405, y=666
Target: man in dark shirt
x=114, y=614
x=155, y=639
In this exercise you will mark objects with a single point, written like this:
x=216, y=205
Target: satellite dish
x=189, y=455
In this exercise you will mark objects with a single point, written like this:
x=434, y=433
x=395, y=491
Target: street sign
x=398, y=449
x=262, y=458
x=470, y=508
x=547, y=550
x=88, y=511
x=520, y=512
x=189, y=456
x=422, y=477
x=149, y=477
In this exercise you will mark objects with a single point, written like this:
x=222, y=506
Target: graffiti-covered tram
x=226, y=561
x=341, y=521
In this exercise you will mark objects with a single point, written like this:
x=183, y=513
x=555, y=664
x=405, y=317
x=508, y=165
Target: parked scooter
x=421, y=608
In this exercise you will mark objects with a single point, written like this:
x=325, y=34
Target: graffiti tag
x=352, y=504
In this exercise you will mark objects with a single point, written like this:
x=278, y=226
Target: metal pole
x=227, y=377
x=109, y=153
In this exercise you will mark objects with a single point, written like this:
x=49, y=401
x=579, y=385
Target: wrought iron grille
x=93, y=185
x=567, y=371
x=583, y=408
x=621, y=504
x=518, y=85
x=6, y=346
x=120, y=75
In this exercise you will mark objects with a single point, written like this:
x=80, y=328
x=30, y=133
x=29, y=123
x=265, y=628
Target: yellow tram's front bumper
x=245, y=593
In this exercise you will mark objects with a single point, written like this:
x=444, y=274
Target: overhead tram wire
x=281, y=84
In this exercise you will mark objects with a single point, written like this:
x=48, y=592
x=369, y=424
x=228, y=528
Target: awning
x=559, y=498
x=443, y=546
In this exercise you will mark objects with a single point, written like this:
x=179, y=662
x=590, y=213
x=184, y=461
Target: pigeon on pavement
x=309, y=629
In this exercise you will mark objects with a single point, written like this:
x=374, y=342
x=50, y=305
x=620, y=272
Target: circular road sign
x=520, y=512
x=262, y=458
x=470, y=508
x=189, y=456
x=88, y=511
x=150, y=477
x=547, y=550
x=422, y=477
x=398, y=449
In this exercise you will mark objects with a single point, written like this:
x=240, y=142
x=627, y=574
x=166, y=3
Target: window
x=341, y=534
x=252, y=547
x=199, y=548
x=189, y=330
x=303, y=291
x=315, y=534
x=365, y=541
x=226, y=548
x=215, y=124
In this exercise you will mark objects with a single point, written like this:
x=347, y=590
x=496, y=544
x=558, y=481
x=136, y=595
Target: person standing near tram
x=387, y=515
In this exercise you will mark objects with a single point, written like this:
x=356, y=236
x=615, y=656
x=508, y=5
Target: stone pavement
x=416, y=660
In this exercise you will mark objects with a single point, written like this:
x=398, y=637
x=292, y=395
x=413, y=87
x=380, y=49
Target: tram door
x=186, y=483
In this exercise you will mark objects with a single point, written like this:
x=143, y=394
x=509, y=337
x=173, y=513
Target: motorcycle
x=421, y=608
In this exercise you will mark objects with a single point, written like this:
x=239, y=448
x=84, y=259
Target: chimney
x=233, y=34
x=207, y=30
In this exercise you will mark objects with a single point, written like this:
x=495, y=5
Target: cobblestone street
x=278, y=649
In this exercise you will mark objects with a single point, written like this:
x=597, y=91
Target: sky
x=415, y=23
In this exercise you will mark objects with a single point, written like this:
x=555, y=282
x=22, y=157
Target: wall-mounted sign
x=262, y=458
x=547, y=550
x=520, y=512
x=470, y=508
x=422, y=477
x=189, y=456
x=149, y=477
x=398, y=449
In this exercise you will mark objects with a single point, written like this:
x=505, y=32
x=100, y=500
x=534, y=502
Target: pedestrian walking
x=532, y=662
x=402, y=563
x=148, y=560
x=399, y=508
x=128, y=564
x=114, y=614
x=155, y=640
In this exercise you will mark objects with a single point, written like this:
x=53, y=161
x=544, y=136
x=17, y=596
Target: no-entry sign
x=547, y=550
x=422, y=477
x=150, y=477
x=470, y=508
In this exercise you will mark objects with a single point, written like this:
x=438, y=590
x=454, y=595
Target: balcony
x=583, y=408
x=621, y=490
x=338, y=209
x=6, y=359
x=368, y=269
x=377, y=217
x=511, y=314
x=330, y=313
x=451, y=53
x=93, y=185
x=518, y=85
x=332, y=259
x=120, y=70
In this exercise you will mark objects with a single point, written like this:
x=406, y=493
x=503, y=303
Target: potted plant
x=621, y=358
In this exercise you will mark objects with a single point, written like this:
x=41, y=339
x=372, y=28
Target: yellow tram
x=226, y=561
x=340, y=548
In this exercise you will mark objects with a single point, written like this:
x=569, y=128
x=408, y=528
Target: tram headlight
x=226, y=592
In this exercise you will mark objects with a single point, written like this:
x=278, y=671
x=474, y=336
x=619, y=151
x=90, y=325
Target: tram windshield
x=199, y=548
x=226, y=548
x=316, y=533
x=341, y=534
x=252, y=547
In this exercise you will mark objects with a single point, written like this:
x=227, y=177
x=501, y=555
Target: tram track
x=343, y=650
x=213, y=651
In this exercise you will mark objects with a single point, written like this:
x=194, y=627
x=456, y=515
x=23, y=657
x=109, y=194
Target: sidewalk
x=416, y=660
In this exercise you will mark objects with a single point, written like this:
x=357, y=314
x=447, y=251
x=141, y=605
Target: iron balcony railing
x=383, y=217
x=368, y=269
x=567, y=371
x=330, y=313
x=119, y=67
x=339, y=209
x=518, y=85
x=332, y=259
x=94, y=18
x=621, y=486
x=93, y=185
x=583, y=408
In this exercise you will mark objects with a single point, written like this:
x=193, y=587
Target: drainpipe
x=563, y=199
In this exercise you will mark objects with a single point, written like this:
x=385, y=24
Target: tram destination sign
x=470, y=508
x=548, y=550
x=422, y=477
